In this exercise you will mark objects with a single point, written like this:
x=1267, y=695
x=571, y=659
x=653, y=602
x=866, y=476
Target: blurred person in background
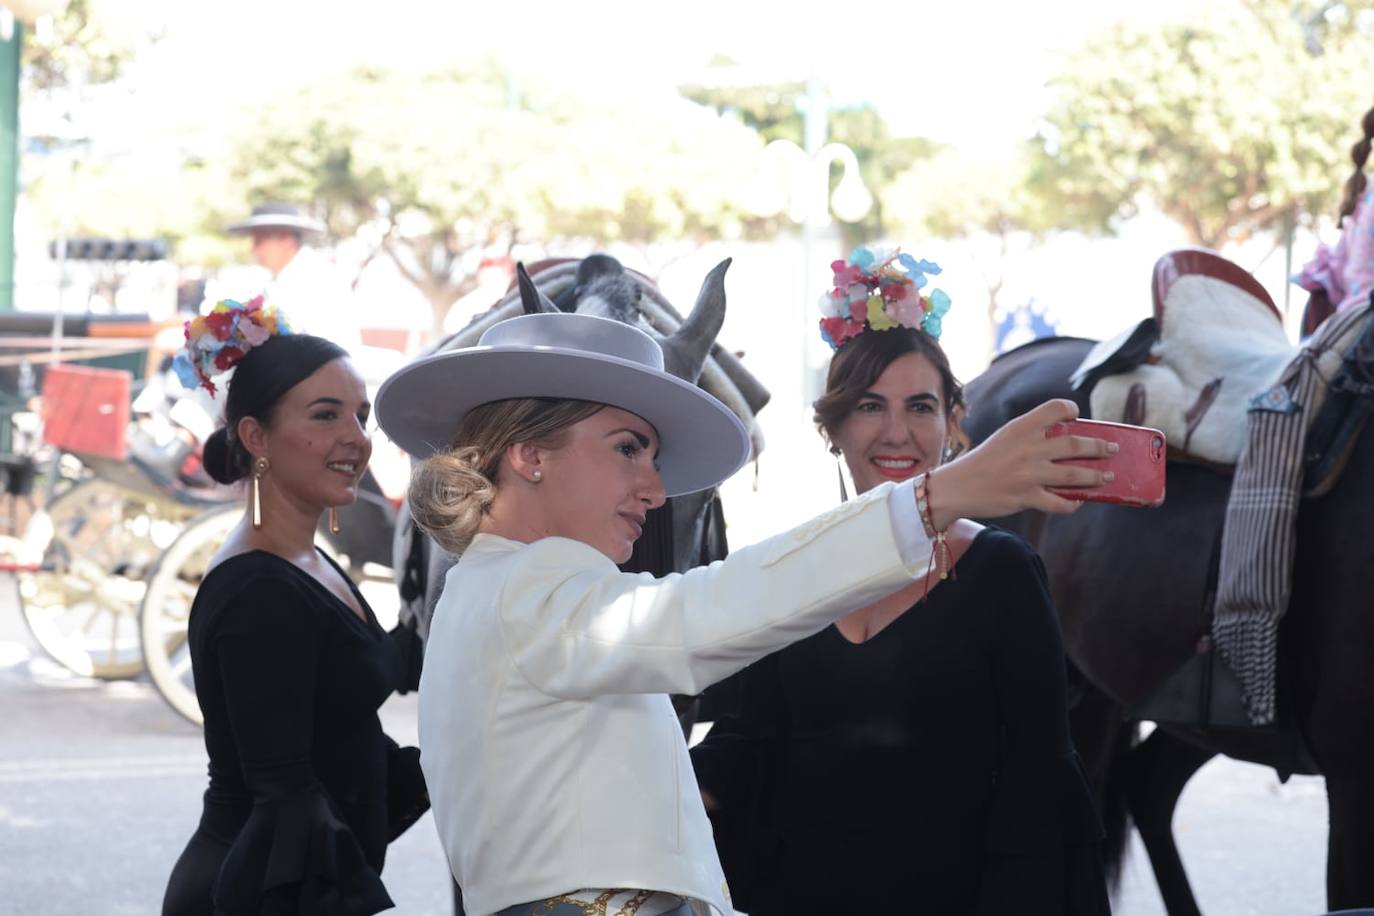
x=1342, y=277
x=304, y=282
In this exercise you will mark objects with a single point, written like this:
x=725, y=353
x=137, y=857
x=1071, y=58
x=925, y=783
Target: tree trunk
x=438, y=289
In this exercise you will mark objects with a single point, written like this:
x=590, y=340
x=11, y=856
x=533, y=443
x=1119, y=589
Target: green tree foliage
x=1229, y=122
x=187, y=203
x=72, y=63
x=986, y=201
x=778, y=112
x=72, y=50
x=444, y=168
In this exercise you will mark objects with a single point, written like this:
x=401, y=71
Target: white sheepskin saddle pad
x=1210, y=331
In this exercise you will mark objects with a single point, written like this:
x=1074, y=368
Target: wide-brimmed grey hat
x=582, y=357
x=276, y=216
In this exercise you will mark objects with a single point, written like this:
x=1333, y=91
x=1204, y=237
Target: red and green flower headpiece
x=215, y=342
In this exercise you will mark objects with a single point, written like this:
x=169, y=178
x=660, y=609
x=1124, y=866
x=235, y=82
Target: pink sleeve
x=1357, y=250
x=1326, y=270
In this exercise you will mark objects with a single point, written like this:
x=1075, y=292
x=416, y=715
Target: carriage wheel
x=167, y=606
x=166, y=610
x=97, y=542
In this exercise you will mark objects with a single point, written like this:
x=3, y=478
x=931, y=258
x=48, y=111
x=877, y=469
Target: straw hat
x=276, y=216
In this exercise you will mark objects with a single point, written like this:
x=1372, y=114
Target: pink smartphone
x=1139, y=465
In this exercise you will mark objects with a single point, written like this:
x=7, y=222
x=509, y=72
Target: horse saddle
x=1216, y=339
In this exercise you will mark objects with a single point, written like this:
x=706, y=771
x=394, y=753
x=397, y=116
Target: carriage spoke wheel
x=166, y=607
x=82, y=604
x=166, y=610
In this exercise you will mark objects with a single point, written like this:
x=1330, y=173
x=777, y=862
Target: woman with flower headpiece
x=914, y=756
x=290, y=663
x=559, y=775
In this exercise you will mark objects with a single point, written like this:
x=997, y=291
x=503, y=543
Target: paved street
x=100, y=786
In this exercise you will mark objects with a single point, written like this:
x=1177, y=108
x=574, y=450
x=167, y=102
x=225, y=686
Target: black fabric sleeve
x=738, y=764
x=736, y=754
x=1042, y=814
x=295, y=854
x=407, y=797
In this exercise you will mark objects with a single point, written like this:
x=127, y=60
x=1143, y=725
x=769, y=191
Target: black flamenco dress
x=305, y=788
x=926, y=770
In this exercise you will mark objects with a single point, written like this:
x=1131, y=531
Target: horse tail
x=1116, y=813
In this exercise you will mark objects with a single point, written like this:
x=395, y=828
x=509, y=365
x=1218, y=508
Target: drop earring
x=260, y=467
x=839, y=472
x=333, y=520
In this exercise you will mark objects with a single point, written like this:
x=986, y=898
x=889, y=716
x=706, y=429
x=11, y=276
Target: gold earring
x=333, y=520
x=260, y=467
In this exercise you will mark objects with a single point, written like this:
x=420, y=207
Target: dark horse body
x=1132, y=588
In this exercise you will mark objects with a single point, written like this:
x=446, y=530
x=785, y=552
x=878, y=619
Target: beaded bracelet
x=941, y=556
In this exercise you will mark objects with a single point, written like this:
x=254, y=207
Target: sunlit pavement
x=100, y=787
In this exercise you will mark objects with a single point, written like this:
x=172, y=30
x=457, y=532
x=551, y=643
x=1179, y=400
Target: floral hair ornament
x=879, y=289
x=215, y=342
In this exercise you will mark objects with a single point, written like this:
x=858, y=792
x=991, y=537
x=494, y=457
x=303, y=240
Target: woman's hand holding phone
x=1020, y=467
x=1137, y=466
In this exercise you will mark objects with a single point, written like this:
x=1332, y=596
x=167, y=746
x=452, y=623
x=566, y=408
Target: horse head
x=689, y=530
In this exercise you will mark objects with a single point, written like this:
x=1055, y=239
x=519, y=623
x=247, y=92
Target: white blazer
x=552, y=755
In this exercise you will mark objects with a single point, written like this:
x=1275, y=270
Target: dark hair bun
x=222, y=458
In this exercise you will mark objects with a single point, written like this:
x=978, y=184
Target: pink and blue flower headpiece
x=215, y=342
x=879, y=289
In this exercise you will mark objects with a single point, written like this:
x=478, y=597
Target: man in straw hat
x=558, y=774
x=304, y=283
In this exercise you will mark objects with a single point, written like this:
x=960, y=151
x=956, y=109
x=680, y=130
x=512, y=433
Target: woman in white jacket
x=559, y=778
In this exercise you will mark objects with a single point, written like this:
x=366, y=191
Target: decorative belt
x=596, y=903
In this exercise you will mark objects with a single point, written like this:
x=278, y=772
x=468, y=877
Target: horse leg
x=1350, y=844
x=1161, y=766
x=1104, y=739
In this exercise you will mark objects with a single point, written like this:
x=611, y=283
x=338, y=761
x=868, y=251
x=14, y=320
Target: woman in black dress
x=914, y=757
x=290, y=663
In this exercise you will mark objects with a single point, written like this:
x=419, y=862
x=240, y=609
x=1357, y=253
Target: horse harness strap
x=1337, y=426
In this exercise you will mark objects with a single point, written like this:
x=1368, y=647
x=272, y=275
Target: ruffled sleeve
x=295, y=855
x=1345, y=273
x=1042, y=844
x=1323, y=272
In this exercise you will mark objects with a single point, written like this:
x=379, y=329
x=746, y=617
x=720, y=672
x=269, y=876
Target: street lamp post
x=810, y=203
x=13, y=15
x=11, y=40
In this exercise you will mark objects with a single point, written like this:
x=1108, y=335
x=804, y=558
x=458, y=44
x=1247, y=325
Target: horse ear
x=533, y=300
x=686, y=351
